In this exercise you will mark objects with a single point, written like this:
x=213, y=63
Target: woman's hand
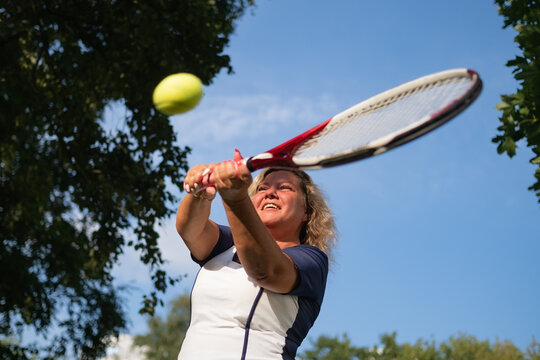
x=232, y=179
x=197, y=182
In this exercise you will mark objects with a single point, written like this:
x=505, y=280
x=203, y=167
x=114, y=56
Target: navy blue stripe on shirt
x=248, y=322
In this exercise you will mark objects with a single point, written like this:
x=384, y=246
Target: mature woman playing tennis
x=263, y=277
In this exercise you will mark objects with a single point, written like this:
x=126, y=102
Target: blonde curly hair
x=320, y=229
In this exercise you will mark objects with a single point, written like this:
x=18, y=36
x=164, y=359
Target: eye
x=286, y=187
x=262, y=188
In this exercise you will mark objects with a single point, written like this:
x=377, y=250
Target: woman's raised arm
x=193, y=224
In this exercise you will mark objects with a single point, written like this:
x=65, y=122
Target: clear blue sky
x=438, y=237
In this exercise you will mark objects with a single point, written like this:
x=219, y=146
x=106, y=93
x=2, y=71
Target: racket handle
x=208, y=178
x=248, y=164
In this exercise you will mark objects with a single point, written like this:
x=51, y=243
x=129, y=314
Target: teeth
x=272, y=206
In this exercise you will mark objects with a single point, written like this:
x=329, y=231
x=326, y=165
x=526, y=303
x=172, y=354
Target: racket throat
x=282, y=155
x=268, y=159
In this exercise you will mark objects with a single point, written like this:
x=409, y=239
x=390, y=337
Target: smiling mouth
x=270, y=206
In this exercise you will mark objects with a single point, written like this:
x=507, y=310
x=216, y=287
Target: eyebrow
x=288, y=182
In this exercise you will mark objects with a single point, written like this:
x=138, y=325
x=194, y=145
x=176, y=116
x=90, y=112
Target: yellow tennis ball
x=177, y=93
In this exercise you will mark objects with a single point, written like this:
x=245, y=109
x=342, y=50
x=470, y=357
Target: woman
x=262, y=279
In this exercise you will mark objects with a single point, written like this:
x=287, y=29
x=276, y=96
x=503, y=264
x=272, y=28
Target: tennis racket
x=378, y=124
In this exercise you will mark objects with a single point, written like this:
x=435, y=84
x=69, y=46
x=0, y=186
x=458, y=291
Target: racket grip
x=208, y=178
x=248, y=164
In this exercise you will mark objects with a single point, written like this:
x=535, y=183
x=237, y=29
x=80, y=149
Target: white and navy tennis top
x=233, y=318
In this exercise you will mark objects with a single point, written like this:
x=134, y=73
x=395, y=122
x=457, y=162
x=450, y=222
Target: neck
x=285, y=239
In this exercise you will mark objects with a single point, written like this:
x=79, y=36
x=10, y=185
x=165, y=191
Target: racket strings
x=378, y=122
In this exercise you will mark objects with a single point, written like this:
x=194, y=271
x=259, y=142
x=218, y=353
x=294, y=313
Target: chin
x=270, y=222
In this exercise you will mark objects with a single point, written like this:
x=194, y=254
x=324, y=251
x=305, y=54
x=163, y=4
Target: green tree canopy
x=74, y=189
x=521, y=110
x=457, y=347
x=164, y=337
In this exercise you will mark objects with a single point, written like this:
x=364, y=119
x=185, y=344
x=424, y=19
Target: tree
x=521, y=110
x=76, y=190
x=163, y=340
x=459, y=347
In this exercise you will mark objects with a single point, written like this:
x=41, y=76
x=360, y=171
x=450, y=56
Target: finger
x=207, y=193
x=222, y=174
x=205, y=177
x=244, y=174
x=236, y=163
x=242, y=171
x=237, y=156
x=230, y=169
x=196, y=179
x=208, y=177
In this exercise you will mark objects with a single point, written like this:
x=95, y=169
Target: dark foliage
x=75, y=189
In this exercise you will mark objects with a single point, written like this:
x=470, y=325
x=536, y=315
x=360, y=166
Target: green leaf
x=503, y=106
x=520, y=110
x=508, y=146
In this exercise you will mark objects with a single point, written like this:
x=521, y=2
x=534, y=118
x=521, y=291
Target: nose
x=270, y=193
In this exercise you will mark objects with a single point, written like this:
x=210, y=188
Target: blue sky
x=438, y=237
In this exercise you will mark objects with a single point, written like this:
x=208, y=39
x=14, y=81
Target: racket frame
x=283, y=155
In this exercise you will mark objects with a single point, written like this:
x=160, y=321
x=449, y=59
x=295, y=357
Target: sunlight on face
x=280, y=201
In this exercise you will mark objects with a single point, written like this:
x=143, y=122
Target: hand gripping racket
x=376, y=125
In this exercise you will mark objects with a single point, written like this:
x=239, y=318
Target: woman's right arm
x=199, y=233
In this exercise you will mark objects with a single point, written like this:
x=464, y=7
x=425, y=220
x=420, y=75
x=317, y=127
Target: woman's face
x=280, y=201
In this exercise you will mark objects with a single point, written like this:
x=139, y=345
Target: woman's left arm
x=260, y=255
